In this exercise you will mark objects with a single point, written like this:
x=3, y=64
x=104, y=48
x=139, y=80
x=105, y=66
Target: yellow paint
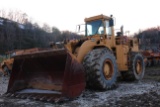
x=121, y=46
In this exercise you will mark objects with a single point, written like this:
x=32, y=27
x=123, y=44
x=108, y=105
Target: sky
x=134, y=15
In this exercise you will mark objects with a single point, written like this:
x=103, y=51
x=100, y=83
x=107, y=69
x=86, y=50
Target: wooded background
x=18, y=32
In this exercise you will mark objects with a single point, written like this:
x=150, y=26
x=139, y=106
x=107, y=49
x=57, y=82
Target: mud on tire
x=101, y=69
x=136, y=69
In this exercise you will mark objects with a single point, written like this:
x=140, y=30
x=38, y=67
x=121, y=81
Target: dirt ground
x=145, y=93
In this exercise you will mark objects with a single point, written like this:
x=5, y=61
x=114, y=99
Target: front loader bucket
x=48, y=75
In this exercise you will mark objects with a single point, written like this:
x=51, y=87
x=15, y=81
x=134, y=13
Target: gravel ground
x=145, y=93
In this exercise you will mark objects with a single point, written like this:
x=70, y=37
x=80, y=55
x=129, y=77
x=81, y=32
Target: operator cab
x=99, y=25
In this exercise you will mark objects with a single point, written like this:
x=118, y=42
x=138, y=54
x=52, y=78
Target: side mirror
x=111, y=22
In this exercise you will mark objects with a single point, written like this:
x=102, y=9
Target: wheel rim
x=108, y=69
x=138, y=67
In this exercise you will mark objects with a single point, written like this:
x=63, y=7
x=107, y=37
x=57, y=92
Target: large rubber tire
x=136, y=69
x=101, y=69
x=146, y=64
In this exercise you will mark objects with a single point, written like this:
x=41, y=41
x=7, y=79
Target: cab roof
x=96, y=18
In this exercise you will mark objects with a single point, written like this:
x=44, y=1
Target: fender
x=87, y=46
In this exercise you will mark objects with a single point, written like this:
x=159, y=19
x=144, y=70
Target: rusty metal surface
x=74, y=78
x=40, y=53
x=53, y=70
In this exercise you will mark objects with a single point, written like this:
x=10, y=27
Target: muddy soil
x=145, y=93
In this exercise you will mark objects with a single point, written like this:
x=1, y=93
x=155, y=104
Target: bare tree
x=16, y=16
x=3, y=13
x=46, y=27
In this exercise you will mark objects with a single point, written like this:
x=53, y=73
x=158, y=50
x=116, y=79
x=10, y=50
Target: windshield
x=94, y=27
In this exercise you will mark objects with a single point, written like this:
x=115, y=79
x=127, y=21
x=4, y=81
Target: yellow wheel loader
x=94, y=61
